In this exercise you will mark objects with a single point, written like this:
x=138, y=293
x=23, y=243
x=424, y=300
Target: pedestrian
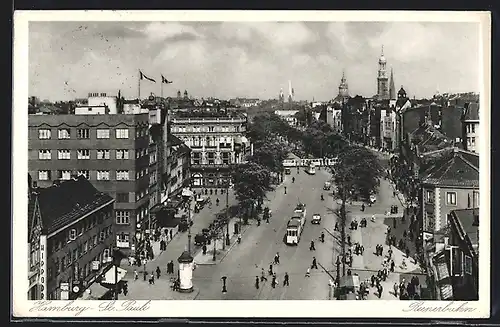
x=277, y=258
x=152, y=279
x=257, y=282
x=145, y=275
x=381, y=250
x=363, y=207
x=263, y=275
x=349, y=240
x=395, y=289
x=308, y=272
x=285, y=189
x=372, y=279
x=392, y=265
x=273, y=281
x=271, y=268
x=362, y=249
x=158, y=272
x=336, y=226
x=380, y=289
x=170, y=233
x=136, y=275
x=311, y=247
x=322, y=237
x=125, y=289
x=314, y=264
x=407, y=252
x=286, y=280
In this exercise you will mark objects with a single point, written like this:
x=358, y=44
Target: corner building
x=111, y=151
x=217, y=141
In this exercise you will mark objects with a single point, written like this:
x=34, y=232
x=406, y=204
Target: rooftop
x=471, y=112
x=202, y=113
x=63, y=203
x=468, y=223
x=459, y=168
x=429, y=138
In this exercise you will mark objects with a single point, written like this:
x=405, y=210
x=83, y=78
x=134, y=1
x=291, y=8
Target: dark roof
x=174, y=140
x=459, y=168
x=185, y=258
x=62, y=204
x=465, y=217
x=429, y=138
x=294, y=222
x=472, y=111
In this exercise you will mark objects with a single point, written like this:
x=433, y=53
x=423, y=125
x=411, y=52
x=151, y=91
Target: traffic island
x=220, y=247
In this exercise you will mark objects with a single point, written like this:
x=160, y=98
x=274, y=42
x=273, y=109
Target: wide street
x=260, y=243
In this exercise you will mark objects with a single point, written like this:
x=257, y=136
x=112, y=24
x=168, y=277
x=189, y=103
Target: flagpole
x=139, y=87
x=161, y=88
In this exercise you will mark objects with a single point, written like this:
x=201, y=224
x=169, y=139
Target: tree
x=357, y=173
x=270, y=154
x=251, y=183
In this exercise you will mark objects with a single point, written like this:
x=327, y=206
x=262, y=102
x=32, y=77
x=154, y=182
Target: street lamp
x=224, y=289
x=228, y=242
x=214, y=236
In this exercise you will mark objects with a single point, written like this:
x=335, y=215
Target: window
x=103, y=154
x=123, y=237
x=103, y=133
x=122, y=217
x=472, y=128
x=84, y=173
x=44, y=154
x=451, y=198
x=121, y=154
x=122, y=133
x=430, y=196
x=83, y=133
x=64, y=175
x=122, y=197
x=468, y=264
x=103, y=175
x=44, y=134
x=44, y=175
x=63, y=154
x=122, y=175
x=473, y=141
x=72, y=234
x=83, y=154
x=63, y=133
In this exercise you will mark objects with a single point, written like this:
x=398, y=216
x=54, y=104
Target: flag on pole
x=164, y=80
x=145, y=77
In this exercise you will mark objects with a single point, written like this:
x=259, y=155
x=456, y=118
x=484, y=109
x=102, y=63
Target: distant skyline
x=68, y=60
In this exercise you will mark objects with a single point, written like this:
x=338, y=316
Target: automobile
x=316, y=218
x=327, y=186
x=200, y=239
x=373, y=198
x=287, y=171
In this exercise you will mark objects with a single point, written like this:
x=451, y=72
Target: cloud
x=159, y=31
x=254, y=59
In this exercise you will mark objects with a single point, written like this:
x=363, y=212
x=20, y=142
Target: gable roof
x=429, y=138
x=460, y=168
x=465, y=218
x=64, y=203
x=472, y=111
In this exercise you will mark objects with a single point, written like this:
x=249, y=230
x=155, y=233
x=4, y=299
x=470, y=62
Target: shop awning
x=95, y=292
x=109, y=277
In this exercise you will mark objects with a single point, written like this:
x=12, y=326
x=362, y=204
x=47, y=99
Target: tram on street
x=294, y=229
x=311, y=168
x=296, y=225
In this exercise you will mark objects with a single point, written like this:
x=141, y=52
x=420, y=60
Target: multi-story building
x=71, y=238
x=217, y=140
x=470, y=127
x=111, y=151
x=98, y=103
x=180, y=163
x=290, y=116
x=451, y=183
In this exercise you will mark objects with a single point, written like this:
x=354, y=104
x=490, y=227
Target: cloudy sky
x=229, y=59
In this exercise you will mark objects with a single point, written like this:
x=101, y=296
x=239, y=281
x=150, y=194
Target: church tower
x=382, y=80
x=392, y=89
x=343, y=87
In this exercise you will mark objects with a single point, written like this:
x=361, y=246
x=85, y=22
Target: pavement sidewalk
x=221, y=248
x=160, y=290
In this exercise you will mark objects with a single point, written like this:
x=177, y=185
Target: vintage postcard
x=335, y=164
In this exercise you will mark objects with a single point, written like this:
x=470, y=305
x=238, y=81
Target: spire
x=392, y=88
x=382, y=57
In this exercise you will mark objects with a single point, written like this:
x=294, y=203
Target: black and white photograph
x=251, y=156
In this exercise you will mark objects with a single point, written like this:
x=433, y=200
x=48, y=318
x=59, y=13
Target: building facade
x=71, y=238
x=470, y=127
x=217, y=141
x=451, y=183
x=290, y=116
x=111, y=151
x=99, y=103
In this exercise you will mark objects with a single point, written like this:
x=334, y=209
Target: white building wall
x=109, y=101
